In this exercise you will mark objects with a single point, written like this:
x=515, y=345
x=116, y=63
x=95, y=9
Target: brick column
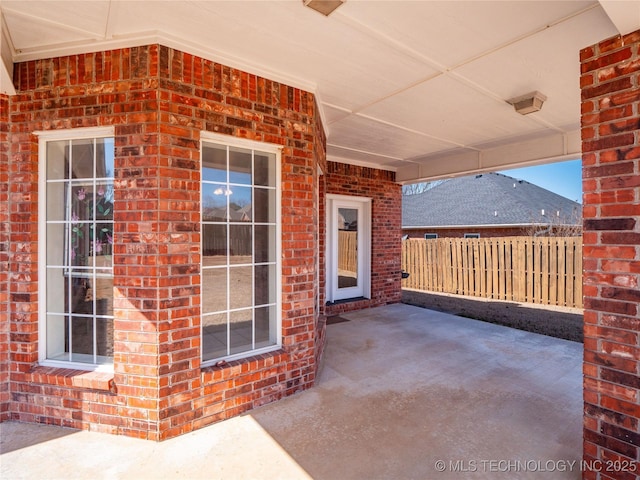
x=179, y=230
x=136, y=268
x=4, y=257
x=611, y=180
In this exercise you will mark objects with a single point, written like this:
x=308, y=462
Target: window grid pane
x=229, y=270
x=79, y=237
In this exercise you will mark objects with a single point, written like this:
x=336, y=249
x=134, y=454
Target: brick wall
x=159, y=100
x=4, y=257
x=611, y=179
x=386, y=220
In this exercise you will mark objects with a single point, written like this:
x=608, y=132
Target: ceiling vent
x=529, y=103
x=325, y=7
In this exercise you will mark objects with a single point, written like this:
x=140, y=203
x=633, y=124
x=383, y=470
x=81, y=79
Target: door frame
x=363, y=205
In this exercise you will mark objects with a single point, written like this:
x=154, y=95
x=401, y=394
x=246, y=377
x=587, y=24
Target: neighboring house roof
x=347, y=218
x=486, y=200
x=218, y=214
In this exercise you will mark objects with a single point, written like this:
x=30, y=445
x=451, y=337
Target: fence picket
x=544, y=271
x=530, y=272
x=482, y=269
x=577, y=273
x=553, y=271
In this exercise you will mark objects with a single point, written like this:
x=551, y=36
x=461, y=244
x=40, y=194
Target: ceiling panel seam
x=410, y=130
x=108, y=28
x=357, y=150
x=390, y=42
x=524, y=36
x=398, y=91
x=46, y=21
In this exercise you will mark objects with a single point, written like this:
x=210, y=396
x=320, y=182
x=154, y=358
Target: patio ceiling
x=418, y=87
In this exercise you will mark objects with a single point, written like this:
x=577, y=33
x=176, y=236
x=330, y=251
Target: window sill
x=68, y=377
x=241, y=357
x=224, y=369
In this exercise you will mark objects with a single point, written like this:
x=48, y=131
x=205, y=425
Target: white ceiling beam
x=549, y=149
x=624, y=14
x=6, y=82
x=6, y=60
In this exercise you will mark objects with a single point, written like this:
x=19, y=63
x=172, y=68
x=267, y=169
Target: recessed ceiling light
x=529, y=103
x=325, y=7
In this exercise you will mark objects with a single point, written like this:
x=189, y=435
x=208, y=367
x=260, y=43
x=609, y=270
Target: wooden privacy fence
x=546, y=270
x=347, y=251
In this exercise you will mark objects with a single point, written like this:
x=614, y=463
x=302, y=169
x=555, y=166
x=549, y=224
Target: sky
x=563, y=178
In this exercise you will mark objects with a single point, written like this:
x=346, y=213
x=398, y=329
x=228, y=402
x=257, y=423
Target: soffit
x=402, y=85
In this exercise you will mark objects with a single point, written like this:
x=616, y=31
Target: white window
x=240, y=248
x=430, y=236
x=471, y=235
x=75, y=245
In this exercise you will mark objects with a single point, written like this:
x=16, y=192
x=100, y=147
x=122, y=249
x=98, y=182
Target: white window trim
x=431, y=238
x=229, y=141
x=364, y=243
x=471, y=235
x=74, y=134
x=43, y=138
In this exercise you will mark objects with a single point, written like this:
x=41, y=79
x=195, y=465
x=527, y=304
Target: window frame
x=430, y=236
x=44, y=137
x=471, y=235
x=260, y=147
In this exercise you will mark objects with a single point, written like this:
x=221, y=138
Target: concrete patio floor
x=404, y=393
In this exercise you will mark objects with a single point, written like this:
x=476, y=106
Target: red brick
x=609, y=223
x=615, y=141
x=611, y=444
x=601, y=89
x=619, y=126
x=606, y=60
x=621, y=99
x=587, y=53
x=619, y=210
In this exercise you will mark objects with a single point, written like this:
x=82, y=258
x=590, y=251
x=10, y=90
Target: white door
x=349, y=247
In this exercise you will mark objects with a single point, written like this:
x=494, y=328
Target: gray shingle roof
x=487, y=199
